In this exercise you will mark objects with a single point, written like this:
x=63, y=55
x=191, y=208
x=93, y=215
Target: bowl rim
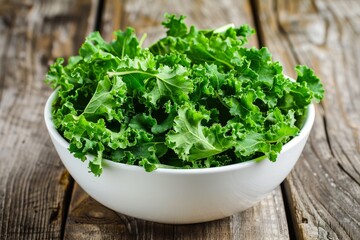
x=303, y=133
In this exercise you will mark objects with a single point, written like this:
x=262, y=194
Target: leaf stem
x=142, y=39
x=111, y=74
x=221, y=101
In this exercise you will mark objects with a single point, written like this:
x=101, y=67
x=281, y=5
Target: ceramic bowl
x=181, y=196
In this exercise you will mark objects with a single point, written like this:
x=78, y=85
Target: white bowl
x=180, y=196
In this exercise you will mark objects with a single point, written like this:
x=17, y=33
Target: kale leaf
x=193, y=99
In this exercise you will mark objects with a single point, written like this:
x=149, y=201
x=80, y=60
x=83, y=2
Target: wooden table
x=319, y=200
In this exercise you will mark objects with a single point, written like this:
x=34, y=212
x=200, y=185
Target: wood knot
x=96, y=214
x=304, y=220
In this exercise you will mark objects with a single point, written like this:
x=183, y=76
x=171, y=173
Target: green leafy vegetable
x=193, y=99
x=192, y=141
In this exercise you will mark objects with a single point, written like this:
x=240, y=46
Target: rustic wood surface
x=319, y=200
x=269, y=215
x=324, y=189
x=34, y=186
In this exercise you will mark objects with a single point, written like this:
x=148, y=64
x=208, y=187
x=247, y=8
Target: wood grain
x=146, y=16
x=34, y=185
x=38, y=198
x=324, y=189
x=90, y=220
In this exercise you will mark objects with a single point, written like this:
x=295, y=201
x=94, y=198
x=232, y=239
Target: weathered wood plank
x=324, y=188
x=34, y=185
x=89, y=220
x=146, y=16
x=266, y=220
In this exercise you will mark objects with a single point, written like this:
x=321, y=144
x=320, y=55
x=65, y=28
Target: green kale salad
x=193, y=99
